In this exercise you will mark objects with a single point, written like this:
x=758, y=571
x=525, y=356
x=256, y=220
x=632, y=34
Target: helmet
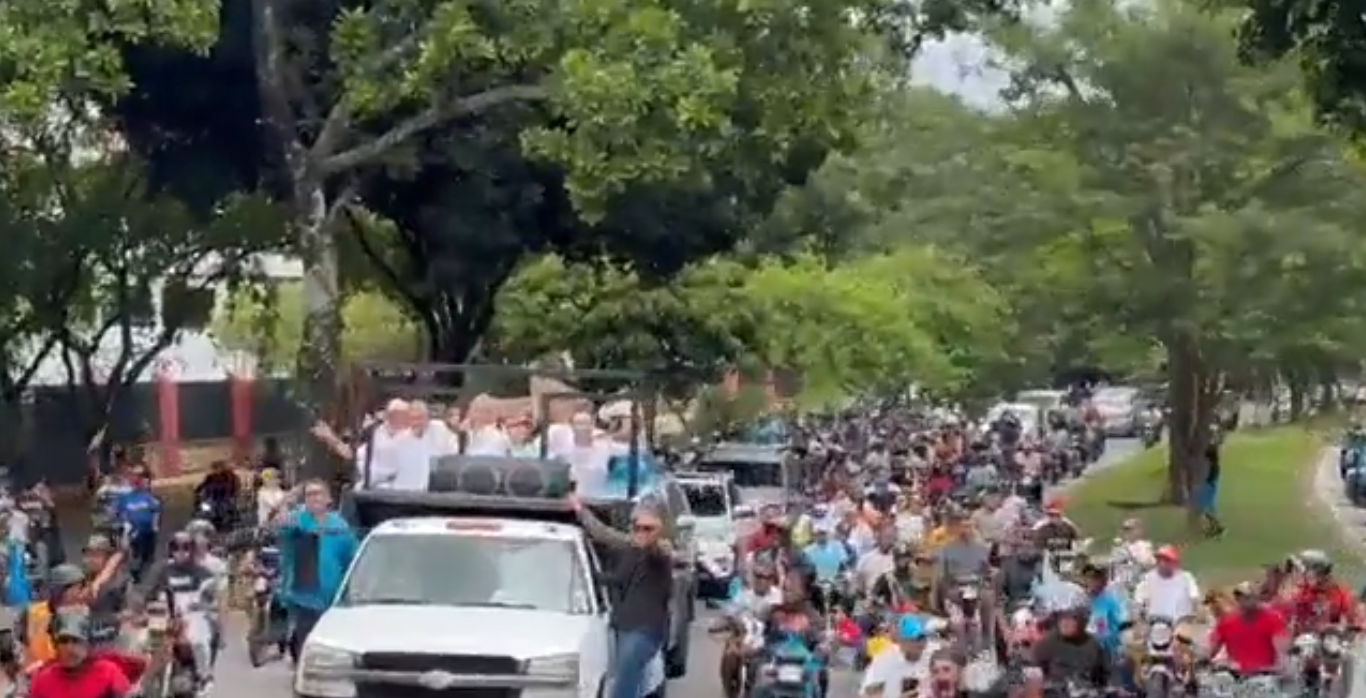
x=65, y=575
x=200, y=527
x=70, y=623
x=1314, y=560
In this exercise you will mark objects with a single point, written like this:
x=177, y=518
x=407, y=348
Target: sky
x=958, y=65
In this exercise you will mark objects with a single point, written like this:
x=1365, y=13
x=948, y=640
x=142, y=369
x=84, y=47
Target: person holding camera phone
x=901, y=673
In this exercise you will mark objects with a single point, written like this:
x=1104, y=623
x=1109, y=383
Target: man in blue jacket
x=316, y=547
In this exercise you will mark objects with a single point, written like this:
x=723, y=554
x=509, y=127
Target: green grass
x=1265, y=500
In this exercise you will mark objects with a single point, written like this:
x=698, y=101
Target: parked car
x=1117, y=406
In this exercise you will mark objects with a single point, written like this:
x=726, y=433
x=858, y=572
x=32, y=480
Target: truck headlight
x=321, y=672
x=564, y=666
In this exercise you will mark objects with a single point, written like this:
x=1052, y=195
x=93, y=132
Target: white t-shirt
x=386, y=463
x=488, y=441
x=269, y=501
x=888, y=669
x=1173, y=597
x=559, y=441
x=873, y=565
x=910, y=528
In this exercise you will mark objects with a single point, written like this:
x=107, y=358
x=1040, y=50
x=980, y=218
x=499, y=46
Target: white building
x=194, y=356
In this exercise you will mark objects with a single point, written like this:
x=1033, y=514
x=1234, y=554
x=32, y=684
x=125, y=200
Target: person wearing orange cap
x=1167, y=591
x=1055, y=532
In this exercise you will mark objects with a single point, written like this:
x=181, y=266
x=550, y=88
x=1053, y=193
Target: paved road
x=237, y=679
x=1328, y=488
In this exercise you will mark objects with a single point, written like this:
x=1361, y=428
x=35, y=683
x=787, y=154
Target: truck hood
x=522, y=634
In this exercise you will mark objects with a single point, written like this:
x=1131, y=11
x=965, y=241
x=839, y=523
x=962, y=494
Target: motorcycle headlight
x=1159, y=635
x=564, y=666
x=1332, y=644
x=1306, y=642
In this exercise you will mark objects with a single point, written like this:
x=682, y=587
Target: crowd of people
x=398, y=447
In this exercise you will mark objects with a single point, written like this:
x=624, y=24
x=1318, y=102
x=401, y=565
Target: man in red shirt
x=1319, y=600
x=75, y=673
x=1254, y=636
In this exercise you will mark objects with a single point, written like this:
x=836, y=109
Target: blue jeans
x=632, y=652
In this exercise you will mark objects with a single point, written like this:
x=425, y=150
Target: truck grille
x=418, y=663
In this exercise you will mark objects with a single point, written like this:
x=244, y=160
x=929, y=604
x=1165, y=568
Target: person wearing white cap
x=383, y=450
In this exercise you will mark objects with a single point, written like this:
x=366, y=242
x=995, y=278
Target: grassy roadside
x=1266, y=501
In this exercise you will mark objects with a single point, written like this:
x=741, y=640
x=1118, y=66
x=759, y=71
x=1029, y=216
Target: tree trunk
x=320, y=350
x=1328, y=391
x=1193, y=392
x=1297, y=397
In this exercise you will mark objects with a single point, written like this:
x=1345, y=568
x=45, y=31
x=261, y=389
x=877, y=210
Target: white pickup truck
x=431, y=605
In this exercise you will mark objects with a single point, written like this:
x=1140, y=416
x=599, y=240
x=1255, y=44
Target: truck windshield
x=705, y=499
x=434, y=569
x=750, y=474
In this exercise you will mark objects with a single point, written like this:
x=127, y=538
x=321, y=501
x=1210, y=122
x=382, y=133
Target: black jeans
x=142, y=548
x=302, y=621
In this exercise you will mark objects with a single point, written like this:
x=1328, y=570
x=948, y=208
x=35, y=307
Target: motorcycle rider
x=795, y=618
x=191, y=590
x=73, y=671
x=829, y=558
x=106, y=590
x=217, y=495
x=1254, y=638
x=1167, y=591
x=65, y=590
x=878, y=563
x=904, y=672
x=1068, y=653
x=1107, y=613
x=1055, y=532
x=1319, y=600
x=140, y=510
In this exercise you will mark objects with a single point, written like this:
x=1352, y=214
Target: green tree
x=43, y=47
x=689, y=329
x=581, y=121
x=268, y=323
x=1178, y=170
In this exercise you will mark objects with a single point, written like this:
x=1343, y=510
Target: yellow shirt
x=937, y=539
x=877, y=645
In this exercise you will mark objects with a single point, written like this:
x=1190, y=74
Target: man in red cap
x=1055, y=532
x=1167, y=591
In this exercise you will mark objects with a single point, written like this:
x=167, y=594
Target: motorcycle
x=743, y=637
x=1158, y=678
x=269, y=621
x=965, y=613
x=1319, y=659
x=792, y=671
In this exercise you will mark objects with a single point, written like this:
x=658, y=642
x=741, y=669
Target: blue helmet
x=910, y=627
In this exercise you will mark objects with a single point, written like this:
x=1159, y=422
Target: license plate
x=261, y=585
x=790, y=674
x=159, y=623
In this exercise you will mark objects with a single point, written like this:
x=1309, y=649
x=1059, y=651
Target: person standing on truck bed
x=643, y=584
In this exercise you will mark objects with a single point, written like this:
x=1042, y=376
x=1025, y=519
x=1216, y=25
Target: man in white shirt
x=1167, y=591
x=388, y=441
x=900, y=671
x=431, y=440
x=485, y=436
x=878, y=562
x=589, y=456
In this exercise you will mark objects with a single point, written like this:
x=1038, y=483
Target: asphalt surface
x=235, y=677
x=1329, y=488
